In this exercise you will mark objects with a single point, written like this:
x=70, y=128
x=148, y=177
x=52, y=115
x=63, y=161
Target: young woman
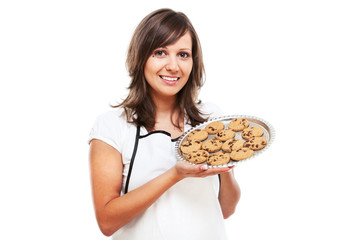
x=140, y=190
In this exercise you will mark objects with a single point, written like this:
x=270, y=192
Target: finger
x=203, y=167
x=230, y=168
x=194, y=169
x=215, y=171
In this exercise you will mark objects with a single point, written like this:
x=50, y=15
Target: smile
x=169, y=78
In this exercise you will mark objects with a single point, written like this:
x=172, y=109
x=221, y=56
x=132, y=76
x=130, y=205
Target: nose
x=172, y=64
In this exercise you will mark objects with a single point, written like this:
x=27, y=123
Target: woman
x=140, y=190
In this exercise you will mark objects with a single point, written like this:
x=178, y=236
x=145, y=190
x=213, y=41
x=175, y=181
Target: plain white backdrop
x=292, y=63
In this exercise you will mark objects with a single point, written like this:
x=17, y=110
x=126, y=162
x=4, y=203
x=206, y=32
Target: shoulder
x=210, y=109
x=112, y=128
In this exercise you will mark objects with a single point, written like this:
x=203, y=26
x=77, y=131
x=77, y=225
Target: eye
x=184, y=55
x=159, y=53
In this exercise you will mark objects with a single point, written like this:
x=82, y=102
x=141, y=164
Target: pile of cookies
x=224, y=146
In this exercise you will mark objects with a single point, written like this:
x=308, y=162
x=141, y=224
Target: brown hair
x=159, y=29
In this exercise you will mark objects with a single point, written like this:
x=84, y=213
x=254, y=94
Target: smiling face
x=168, y=68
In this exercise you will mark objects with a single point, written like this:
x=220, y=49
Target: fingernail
x=203, y=167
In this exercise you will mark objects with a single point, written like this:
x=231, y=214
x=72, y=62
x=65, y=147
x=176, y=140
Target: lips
x=168, y=78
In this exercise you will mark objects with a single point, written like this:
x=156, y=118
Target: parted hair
x=159, y=29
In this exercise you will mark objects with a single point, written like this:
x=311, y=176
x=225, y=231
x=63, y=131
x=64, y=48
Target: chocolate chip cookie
x=218, y=158
x=241, y=154
x=212, y=145
x=251, y=132
x=256, y=143
x=198, y=134
x=224, y=135
x=198, y=156
x=232, y=144
x=238, y=124
x=190, y=145
x=215, y=127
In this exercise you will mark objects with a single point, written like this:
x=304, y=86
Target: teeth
x=169, y=78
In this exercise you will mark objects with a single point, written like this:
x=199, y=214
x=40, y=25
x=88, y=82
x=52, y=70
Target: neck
x=165, y=105
x=166, y=111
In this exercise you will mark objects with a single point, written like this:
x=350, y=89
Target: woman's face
x=168, y=69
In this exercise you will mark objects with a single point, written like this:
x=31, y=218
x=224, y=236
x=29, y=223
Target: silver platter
x=269, y=135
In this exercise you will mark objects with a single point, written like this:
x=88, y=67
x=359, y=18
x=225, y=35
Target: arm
x=229, y=194
x=114, y=211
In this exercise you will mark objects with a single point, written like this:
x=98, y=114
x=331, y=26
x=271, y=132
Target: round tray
x=269, y=135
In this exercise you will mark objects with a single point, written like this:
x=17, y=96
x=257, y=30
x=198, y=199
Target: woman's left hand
x=185, y=169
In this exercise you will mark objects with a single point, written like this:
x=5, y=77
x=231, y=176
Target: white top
x=188, y=210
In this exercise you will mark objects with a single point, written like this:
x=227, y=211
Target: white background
x=292, y=63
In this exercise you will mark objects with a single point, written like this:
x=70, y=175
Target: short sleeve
x=108, y=127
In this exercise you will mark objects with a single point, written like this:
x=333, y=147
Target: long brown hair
x=159, y=29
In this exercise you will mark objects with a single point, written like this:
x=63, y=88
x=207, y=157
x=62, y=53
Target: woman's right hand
x=185, y=169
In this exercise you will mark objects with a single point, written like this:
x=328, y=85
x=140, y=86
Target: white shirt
x=189, y=210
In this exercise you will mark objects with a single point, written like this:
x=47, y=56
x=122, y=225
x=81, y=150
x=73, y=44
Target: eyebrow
x=181, y=49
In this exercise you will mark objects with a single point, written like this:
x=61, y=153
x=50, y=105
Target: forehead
x=184, y=41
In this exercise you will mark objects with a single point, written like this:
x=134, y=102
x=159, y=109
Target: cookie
x=241, y=154
x=198, y=134
x=232, y=144
x=198, y=156
x=256, y=143
x=251, y=132
x=224, y=135
x=218, y=158
x=215, y=127
x=190, y=145
x=212, y=145
x=238, y=124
